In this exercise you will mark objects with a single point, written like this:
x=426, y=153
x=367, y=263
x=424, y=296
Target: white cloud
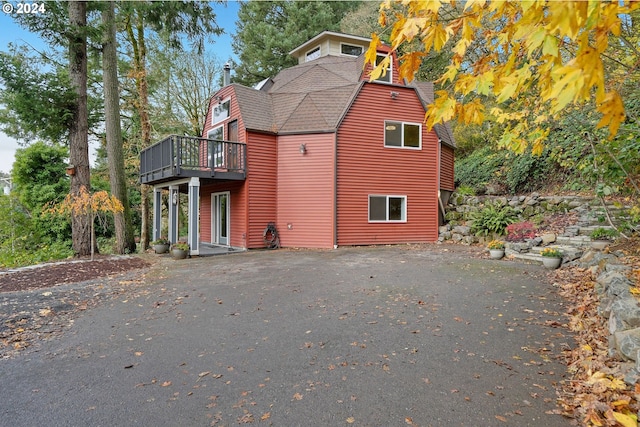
x=8, y=148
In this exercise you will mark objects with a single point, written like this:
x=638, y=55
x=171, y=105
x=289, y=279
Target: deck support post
x=157, y=213
x=194, y=199
x=174, y=199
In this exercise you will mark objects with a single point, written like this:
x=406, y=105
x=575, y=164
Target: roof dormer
x=330, y=43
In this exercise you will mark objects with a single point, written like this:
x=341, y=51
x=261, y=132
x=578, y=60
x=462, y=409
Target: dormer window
x=385, y=76
x=350, y=49
x=221, y=111
x=313, y=54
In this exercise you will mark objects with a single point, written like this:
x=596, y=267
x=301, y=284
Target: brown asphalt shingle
x=313, y=97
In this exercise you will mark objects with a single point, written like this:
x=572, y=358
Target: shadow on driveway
x=378, y=336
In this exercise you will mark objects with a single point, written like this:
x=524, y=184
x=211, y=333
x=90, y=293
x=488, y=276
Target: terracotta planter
x=551, y=263
x=496, y=253
x=179, y=254
x=161, y=249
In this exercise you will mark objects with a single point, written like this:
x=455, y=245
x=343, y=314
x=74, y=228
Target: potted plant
x=180, y=250
x=496, y=249
x=161, y=245
x=602, y=237
x=551, y=257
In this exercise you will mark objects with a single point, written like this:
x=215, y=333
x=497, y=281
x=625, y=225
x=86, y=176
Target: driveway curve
x=429, y=335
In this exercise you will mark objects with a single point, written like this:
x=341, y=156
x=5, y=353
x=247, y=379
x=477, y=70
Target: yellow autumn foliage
x=549, y=51
x=85, y=203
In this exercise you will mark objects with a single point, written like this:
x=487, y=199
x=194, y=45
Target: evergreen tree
x=268, y=30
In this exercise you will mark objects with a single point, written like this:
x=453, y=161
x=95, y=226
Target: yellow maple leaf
x=372, y=52
x=435, y=36
x=428, y=5
x=485, y=82
x=409, y=64
x=507, y=91
x=625, y=420
x=550, y=46
x=442, y=110
x=617, y=384
x=612, y=111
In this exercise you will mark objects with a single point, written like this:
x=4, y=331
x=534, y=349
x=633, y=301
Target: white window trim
x=387, y=196
x=351, y=44
x=318, y=55
x=389, y=70
x=403, y=147
x=213, y=117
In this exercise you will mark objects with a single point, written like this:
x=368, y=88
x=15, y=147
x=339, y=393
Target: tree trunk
x=137, y=40
x=79, y=130
x=125, y=241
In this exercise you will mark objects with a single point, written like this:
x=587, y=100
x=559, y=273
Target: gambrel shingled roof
x=313, y=97
x=310, y=97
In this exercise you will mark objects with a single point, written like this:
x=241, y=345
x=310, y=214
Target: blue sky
x=10, y=32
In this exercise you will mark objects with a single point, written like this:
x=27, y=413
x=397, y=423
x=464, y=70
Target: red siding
x=261, y=182
x=366, y=167
x=446, y=168
x=234, y=114
x=306, y=190
x=238, y=200
x=237, y=189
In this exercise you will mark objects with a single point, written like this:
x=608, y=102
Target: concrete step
x=579, y=241
x=533, y=256
x=526, y=257
x=586, y=231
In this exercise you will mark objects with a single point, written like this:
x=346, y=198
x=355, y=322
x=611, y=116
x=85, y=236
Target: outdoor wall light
x=71, y=170
x=174, y=198
x=303, y=149
x=395, y=95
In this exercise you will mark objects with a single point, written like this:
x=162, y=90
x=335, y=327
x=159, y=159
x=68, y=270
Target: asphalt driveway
x=381, y=336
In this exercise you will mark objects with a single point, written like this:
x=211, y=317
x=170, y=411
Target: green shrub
x=19, y=257
x=526, y=172
x=602, y=233
x=465, y=190
x=492, y=219
x=479, y=169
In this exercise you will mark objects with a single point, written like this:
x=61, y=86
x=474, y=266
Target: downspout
x=438, y=160
x=335, y=191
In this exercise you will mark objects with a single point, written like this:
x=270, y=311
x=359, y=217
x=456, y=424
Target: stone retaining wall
x=619, y=307
x=591, y=215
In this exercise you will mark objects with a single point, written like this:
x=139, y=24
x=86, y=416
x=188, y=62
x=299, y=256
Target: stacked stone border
x=572, y=241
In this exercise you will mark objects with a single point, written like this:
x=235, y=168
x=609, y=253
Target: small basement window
x=387, y=208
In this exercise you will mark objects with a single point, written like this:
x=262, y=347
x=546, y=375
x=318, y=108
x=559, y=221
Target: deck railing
x=188, y=156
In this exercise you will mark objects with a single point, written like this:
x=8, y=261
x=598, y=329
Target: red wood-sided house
x=328, y=156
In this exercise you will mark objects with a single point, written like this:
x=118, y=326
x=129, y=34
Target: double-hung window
x=403, y=135
x=387, y=208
